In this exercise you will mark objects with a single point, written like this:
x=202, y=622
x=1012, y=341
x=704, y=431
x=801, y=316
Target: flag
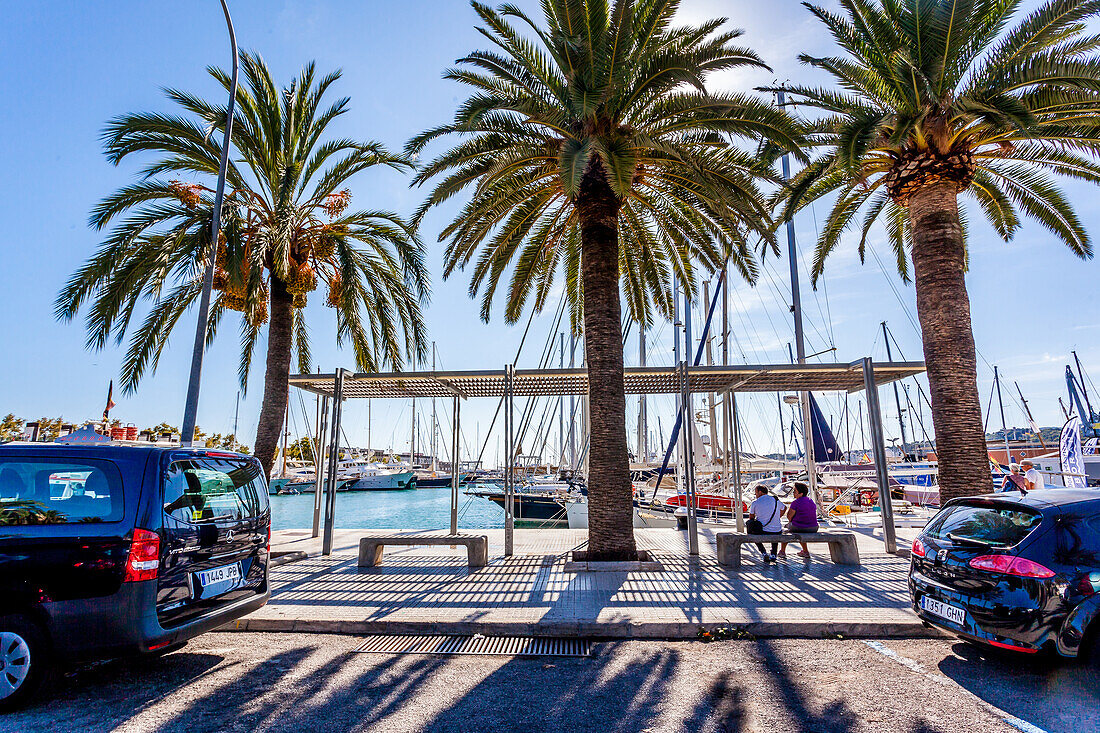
x=1069, y=450
x=110, y=402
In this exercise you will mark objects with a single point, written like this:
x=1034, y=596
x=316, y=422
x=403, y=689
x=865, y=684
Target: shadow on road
x=1052, y=693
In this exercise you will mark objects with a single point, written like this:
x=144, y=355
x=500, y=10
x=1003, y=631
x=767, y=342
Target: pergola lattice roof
x=639, y=380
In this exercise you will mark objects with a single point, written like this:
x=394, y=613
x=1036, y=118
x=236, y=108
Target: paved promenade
x=431, y=590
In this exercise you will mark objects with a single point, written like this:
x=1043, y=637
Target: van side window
x=35, y=491
x=200, y=490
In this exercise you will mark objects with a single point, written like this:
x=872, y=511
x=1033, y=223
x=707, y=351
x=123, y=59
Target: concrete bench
x=477, y=546
x=842, y=545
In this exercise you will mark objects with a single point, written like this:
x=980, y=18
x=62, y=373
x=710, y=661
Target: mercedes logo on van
x=228, y=535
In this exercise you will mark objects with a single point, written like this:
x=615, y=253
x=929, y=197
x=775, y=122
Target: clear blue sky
x=71, y=66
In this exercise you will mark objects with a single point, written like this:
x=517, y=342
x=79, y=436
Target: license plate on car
x=946, y=611
x=215, y=581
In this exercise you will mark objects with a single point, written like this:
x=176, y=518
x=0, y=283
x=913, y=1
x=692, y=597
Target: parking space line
x=918, y=668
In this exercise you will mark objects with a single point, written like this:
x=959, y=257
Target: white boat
x=363, y=476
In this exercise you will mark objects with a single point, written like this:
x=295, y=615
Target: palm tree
x=286, y=226
x=938, y=100
x=592, y=145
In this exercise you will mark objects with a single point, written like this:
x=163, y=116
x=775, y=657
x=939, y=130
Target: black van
x=115, y=549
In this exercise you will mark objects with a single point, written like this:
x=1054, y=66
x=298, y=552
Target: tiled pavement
x=431, y=590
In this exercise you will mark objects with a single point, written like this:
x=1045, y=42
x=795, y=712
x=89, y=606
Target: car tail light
x=144, y=560
x=918, y=548
x=1011, y=565
x=269, y=537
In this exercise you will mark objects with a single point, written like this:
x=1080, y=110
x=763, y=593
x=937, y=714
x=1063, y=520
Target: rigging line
x=989, y=407
x=817, y=300
x=915, y=413
x=500, y=402
x=824, y=285
x=528, y=413
x=893, y=287
x=788, y=308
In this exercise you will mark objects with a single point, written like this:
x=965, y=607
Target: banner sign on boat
x=1069, y=449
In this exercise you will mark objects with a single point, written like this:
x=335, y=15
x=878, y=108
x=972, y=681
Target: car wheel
x=23, y=663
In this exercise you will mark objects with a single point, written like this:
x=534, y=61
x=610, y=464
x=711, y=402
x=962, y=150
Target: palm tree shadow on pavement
x=572, y=694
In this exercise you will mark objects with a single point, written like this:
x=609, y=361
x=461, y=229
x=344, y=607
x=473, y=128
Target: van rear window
x=993, y=525
x=201, y=490
x=35, y=491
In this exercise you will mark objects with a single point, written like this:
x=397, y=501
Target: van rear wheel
x=23, y=663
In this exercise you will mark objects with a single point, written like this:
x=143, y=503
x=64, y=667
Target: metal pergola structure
x=508, y=383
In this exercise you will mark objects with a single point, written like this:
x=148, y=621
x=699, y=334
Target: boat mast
x=286, y=436
x=676, y=325
x=712, y=397
x=1001, y=404
x=561, y=407
x=1030, y=419
x=236, y=414
x=432, y=441
x=897, y=398
x=643, y=442
x=799, y=339
x=572, y=404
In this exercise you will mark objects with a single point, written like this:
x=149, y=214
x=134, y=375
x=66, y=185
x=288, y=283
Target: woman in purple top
x=802, y=516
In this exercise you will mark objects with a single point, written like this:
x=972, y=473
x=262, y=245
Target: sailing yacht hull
x=384, y=482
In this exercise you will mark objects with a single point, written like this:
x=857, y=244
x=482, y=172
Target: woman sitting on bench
x=802, y=516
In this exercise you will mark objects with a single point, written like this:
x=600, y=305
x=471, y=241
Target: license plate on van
x=946, y=611
x=215, y=581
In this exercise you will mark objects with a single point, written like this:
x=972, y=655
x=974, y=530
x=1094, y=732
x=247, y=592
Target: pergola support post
x=509, y=479
x=689, y=460
x=878, y=445
x=319, y=463
x=739, y=509
x=455, y=478
x=333, y=462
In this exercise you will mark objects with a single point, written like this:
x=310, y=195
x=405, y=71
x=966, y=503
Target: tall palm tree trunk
x=943, y=308
x=610, y=500
x=276, y=380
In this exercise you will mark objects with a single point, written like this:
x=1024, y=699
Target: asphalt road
x=306, y=682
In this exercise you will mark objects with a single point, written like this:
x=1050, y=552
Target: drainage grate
x=510, y=646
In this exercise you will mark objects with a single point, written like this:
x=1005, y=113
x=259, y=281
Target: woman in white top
x=767, y=510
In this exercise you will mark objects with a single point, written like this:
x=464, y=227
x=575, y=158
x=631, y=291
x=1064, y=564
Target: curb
x=593, y=630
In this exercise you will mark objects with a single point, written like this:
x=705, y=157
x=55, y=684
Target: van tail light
x=1010, y=565
x=918, y=548
x=144, y=560
x=269, y=537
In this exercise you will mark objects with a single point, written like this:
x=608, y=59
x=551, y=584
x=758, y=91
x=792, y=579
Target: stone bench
x=842, y=545
x=477, y=546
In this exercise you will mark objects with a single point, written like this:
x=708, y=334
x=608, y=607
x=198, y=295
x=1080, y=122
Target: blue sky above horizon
x=72, y=66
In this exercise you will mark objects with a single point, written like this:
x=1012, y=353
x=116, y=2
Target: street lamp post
x=191, y=407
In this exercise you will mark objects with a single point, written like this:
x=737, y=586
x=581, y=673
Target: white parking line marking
x=915, y=666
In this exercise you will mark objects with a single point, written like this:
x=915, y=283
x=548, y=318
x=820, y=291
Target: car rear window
x=36, y=491
x=200, y=490
x=994, y=525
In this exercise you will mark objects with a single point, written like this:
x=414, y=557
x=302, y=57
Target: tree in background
x=286, y=228
x=300, y=450
x=939, y=100
x=592, y=145
x=11, y=428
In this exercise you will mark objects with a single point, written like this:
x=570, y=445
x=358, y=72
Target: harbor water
x=407, y=509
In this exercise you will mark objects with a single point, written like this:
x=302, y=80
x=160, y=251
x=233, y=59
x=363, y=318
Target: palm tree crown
x=616, y=93
x=286, y=227
x=940, y=92
x=591, y=145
